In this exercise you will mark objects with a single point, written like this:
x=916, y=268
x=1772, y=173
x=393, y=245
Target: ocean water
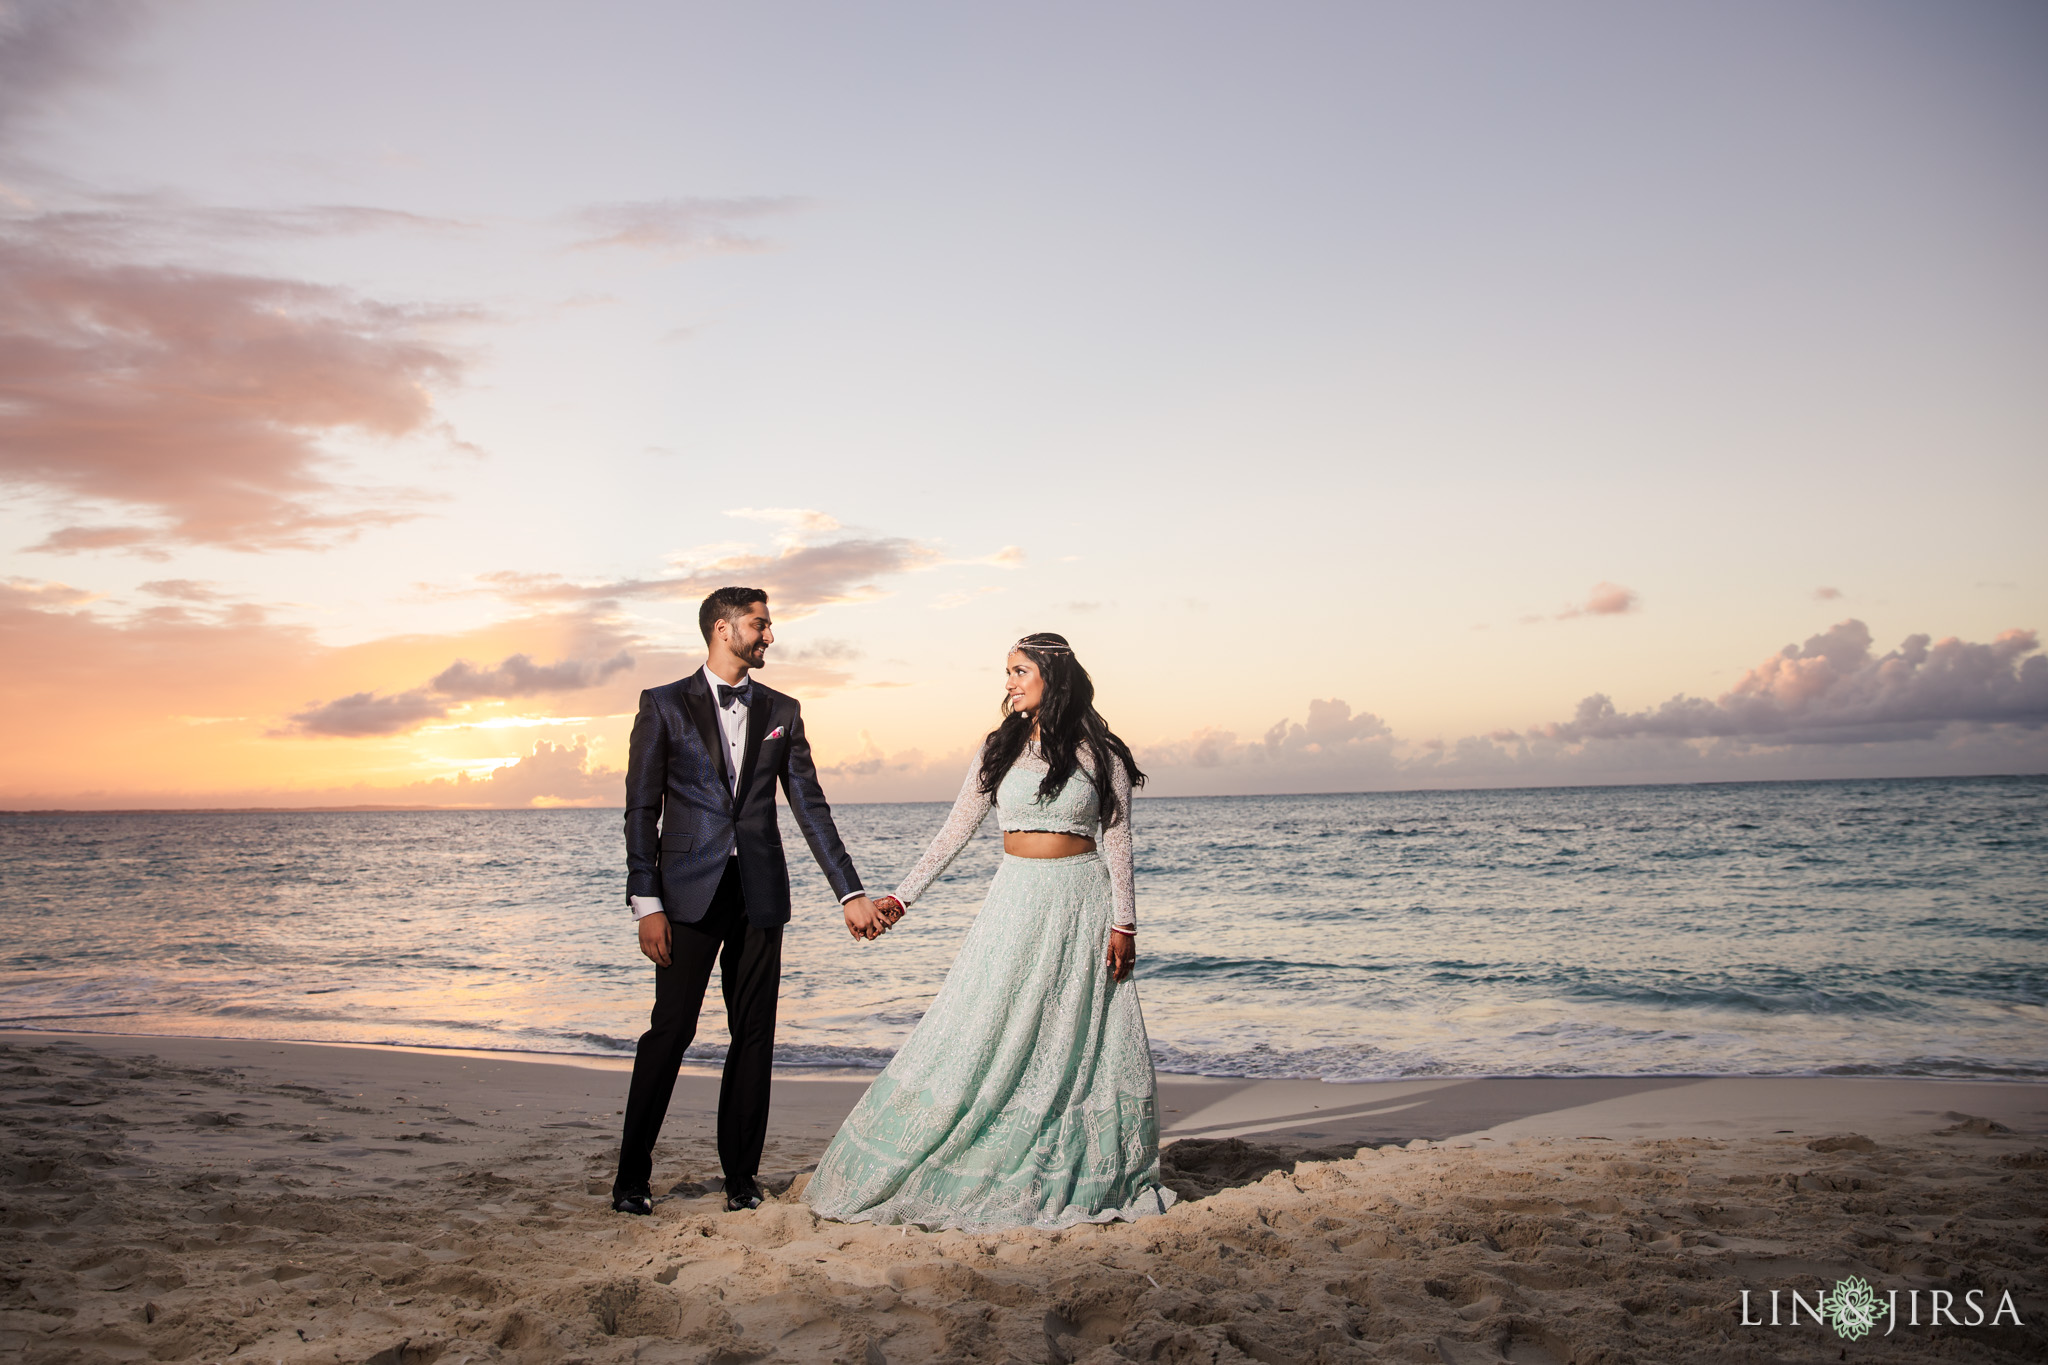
x=1858, y=928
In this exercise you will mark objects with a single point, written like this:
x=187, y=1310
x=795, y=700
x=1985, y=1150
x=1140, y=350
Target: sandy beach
x=193, y=1199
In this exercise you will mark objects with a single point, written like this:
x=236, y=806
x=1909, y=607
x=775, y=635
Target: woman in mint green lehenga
x=1025, y=1096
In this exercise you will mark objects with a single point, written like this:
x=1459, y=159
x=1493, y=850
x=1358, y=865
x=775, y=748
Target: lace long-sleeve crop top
x=1072, y=810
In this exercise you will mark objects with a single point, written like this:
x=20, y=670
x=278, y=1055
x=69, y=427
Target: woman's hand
x=1123, y=954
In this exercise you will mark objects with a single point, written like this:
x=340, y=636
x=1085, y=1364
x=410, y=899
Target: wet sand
x=193, y=1199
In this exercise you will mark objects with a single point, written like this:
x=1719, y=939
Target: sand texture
x=323, y=1204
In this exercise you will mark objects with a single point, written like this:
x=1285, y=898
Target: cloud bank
x=1833, y=690
x=1925, y=707
x=1828, y=707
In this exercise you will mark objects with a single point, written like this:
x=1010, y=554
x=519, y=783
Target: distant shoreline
x=939, y=800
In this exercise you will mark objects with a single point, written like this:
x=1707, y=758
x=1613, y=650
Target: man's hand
x=654, y=938
x=1123, y=954
x=863, y=921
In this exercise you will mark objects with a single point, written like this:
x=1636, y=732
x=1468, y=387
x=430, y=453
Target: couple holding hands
x=1025, y=1096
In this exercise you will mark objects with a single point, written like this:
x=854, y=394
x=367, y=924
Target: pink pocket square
x=776, y=733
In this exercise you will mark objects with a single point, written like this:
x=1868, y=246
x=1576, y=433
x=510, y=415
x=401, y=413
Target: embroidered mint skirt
x=1025, y=1097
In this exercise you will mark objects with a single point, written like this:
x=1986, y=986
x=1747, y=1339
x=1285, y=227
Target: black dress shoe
x=632, y=1203
x=742, y=1197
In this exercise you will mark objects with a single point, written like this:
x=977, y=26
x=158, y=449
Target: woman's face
x=1022, y=682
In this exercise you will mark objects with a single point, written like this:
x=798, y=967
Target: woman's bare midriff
x=1039, y=843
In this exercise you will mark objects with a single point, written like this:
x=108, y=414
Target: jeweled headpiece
x=1043, y=647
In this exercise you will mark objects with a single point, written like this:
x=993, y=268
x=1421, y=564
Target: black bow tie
x=744, y=694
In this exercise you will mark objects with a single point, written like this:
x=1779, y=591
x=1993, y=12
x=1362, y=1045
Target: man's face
x=749, y=636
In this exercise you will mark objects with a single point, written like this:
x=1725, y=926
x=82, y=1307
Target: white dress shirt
x=732, y=725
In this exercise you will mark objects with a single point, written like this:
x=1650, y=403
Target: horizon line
x=389, y=809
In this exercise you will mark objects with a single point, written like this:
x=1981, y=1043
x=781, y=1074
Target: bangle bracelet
x=1119, y=929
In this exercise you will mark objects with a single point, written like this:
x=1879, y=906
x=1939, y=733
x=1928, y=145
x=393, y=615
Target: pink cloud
x=676, y=228
x=181, y=590
x=1610, y=599
x=199, y=398
x=142, y=541
x=1606, y=599
x=32, y=594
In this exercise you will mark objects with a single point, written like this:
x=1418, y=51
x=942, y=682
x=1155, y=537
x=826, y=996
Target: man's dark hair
x=726, y=604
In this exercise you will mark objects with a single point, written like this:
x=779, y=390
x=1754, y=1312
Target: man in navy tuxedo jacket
x=706, y=879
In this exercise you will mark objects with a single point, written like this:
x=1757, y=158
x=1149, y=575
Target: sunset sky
x=1379, y=395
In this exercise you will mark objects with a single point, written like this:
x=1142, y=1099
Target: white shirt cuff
x=851, y=896
x=643, y=906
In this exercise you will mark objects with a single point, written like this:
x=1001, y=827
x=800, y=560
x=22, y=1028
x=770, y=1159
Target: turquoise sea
x=1843, y=928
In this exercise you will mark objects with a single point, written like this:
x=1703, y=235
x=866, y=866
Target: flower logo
x=1851, y=1307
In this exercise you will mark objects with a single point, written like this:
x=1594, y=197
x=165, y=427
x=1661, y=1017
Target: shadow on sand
x=1195, y=1168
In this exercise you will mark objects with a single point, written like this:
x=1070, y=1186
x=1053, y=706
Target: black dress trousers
x=749, y=959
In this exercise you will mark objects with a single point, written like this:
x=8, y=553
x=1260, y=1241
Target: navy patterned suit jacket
x=682, y=817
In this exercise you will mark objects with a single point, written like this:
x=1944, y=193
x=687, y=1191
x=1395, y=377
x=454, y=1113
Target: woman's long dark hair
x=1067, y=722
